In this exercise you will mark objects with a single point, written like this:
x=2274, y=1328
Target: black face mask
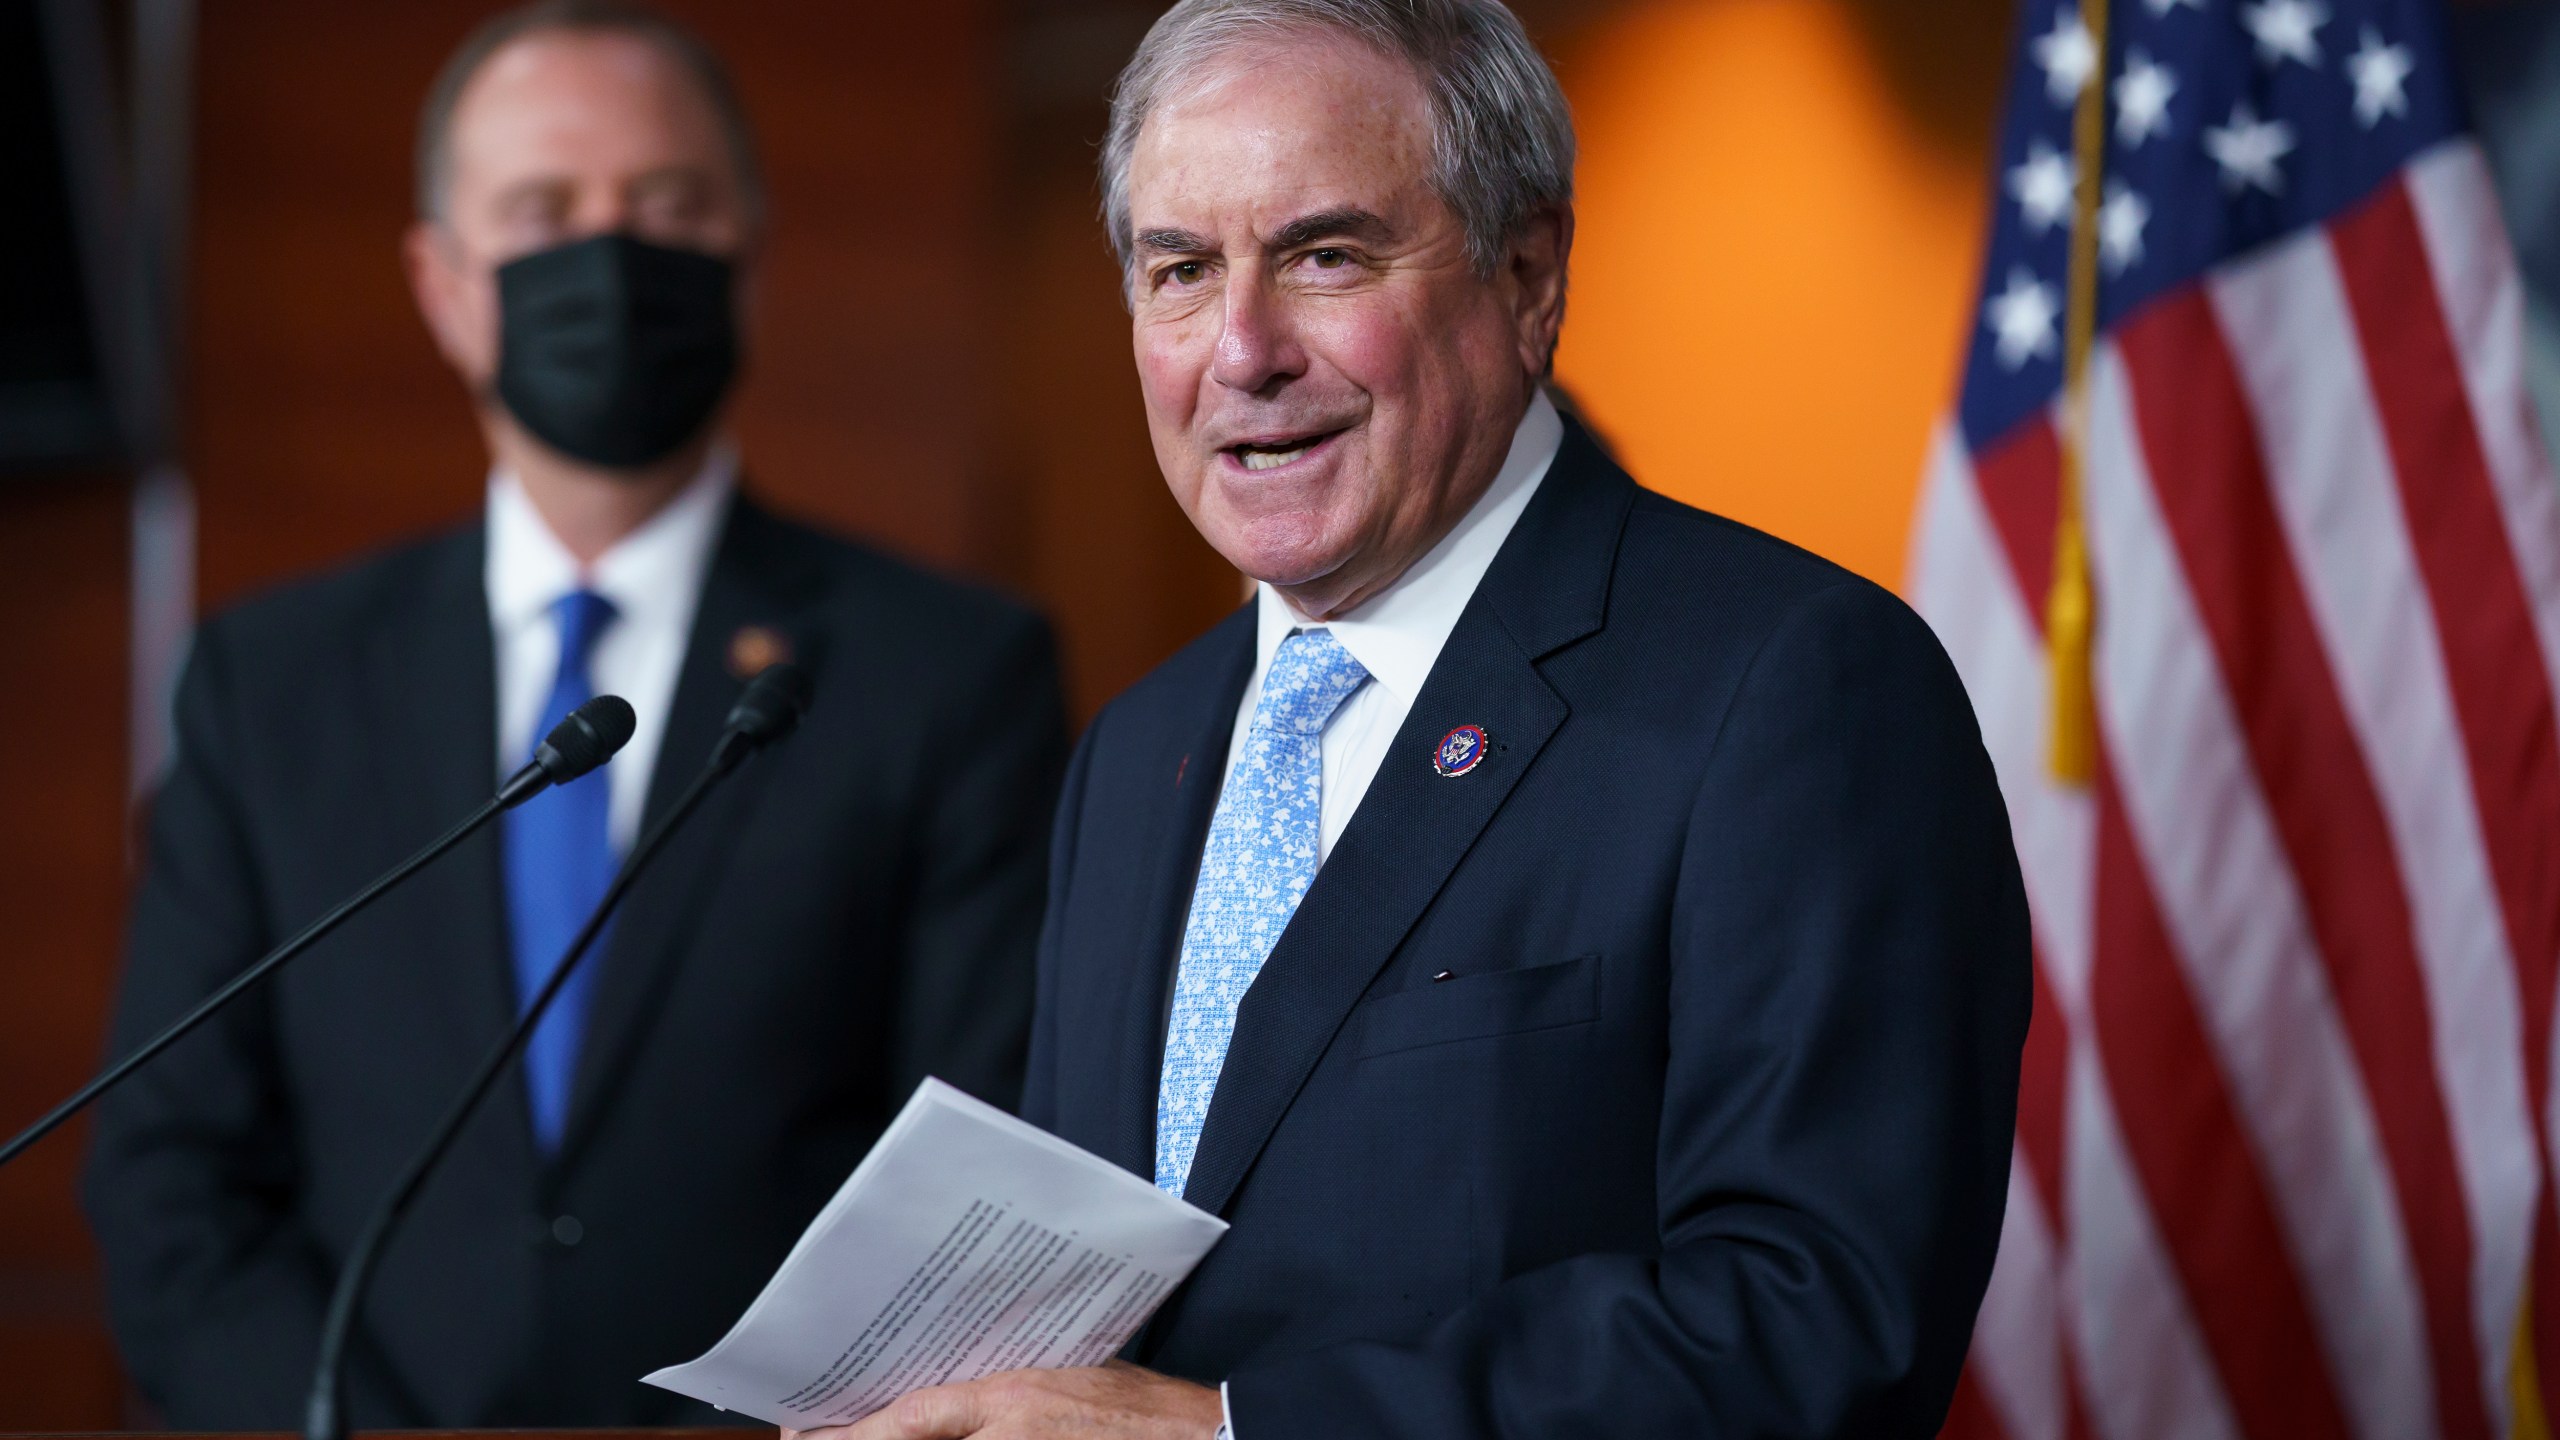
x=613, y=350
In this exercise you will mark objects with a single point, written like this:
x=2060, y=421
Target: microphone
x=587, y=738
x=584, y=739
x=766, y=711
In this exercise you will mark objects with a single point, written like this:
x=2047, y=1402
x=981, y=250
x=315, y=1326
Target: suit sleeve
x=966, y=999
x=1848, y=998
x=215, y=1288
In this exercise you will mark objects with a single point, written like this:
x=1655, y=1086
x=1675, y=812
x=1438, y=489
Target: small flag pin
x=1460, y=751
x=755, y=649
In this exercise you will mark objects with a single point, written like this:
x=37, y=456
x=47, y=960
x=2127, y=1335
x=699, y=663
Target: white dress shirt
x=1396, y=635
x=653, y=576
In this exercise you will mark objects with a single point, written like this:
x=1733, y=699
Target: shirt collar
x=656, y=568
x=1397, y=634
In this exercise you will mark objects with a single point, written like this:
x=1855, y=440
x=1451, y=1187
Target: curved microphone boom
x=586, y=739
x=766, y=711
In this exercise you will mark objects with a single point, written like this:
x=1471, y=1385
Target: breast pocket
x=1475, y=1007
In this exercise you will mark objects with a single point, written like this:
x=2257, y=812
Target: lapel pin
x=755, y=649
x=1459, y=751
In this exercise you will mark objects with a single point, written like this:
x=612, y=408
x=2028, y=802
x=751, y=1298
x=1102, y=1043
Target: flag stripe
x=2216, y=864
x=2144, y=1354
x=2496, y=675
x=2021, y=481
x=2026, y=1381
x=2017, y=1350
x=2481, y=300
x=2043, y=1063
x=2337, y=494
x=2137, y=1364
x=2206, y=468
x=2212, y=1204
x=2228, y=1067
x=2500, y=682
x=2482, y=295
x=2485, y=623
x=1970, y=1416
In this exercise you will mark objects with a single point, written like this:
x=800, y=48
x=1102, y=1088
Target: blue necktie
x=560, y=858
x=1259, y=861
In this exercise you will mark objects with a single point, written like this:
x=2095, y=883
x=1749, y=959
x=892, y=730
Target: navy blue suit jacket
x=851, y=912
x=1707, y=1130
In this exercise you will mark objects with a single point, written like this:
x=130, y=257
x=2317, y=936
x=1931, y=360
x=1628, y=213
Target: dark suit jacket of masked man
x=1654, y=1077
x=856, y=909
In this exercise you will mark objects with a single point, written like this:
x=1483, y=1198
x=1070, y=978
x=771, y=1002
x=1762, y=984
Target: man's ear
x=1537, y=261
x=437, y=283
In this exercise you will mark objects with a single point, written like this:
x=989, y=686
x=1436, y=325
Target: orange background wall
x=1781, y=207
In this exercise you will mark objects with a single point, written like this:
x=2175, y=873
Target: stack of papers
x=968, y=1243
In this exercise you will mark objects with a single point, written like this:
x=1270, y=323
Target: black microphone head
x=770, y=705
x=586, y=738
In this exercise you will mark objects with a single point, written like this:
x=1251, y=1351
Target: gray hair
x=699, y=62
x=1501, y=135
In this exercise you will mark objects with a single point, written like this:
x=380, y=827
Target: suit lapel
x=754, y=580
x=432, y=676
x=1193, y=762
x=1547, y=588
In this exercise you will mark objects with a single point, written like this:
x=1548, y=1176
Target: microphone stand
x=324, y=1416
x=520, y=787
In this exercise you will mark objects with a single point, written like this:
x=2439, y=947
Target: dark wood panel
x=62, y=866
x=322, y=422
x=1086, y=522
x=1096, y=535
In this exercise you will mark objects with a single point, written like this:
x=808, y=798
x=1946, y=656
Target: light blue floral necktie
x=1259, y=861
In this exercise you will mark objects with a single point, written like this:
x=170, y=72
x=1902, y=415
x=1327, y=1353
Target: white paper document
x=966, y=1244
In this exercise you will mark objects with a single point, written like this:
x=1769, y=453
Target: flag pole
x=2070, y=612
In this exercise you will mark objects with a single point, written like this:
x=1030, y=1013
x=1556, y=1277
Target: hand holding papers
x=967, y=1244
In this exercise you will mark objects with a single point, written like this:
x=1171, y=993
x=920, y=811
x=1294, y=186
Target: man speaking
x=1574, y=939
x=853, y=912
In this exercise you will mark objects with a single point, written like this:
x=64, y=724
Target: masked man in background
x=853, y=912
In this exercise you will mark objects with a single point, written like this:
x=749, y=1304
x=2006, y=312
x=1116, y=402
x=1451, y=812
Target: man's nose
x=599, y=210
x=1256, y=347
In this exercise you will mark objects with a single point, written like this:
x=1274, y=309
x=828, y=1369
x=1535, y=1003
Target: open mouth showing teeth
x=1272, y=456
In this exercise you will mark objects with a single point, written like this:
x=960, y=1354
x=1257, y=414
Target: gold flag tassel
x=2070, y=623
x=2524, y=1387
x=2071, y=609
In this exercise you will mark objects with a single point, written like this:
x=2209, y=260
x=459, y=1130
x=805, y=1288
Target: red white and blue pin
x=1461, y=750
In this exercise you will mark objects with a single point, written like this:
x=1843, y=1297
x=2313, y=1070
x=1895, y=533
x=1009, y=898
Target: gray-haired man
x=1575, y=940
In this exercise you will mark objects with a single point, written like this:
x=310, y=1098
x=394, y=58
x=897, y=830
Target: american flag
x=2284, y=1149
